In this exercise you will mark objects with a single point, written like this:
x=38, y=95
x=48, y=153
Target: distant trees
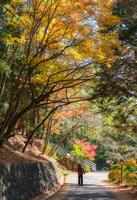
x=83, y=149
x=116, y=88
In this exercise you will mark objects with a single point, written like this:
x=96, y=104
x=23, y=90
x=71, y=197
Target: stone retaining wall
x=24, y=181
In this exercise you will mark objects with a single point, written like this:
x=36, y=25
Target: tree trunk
x=49, y=126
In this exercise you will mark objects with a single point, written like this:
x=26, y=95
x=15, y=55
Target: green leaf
x=4, y=67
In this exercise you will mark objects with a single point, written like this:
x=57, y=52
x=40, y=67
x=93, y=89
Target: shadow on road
x=94, y=188
x=85, y=192
x=88, y=192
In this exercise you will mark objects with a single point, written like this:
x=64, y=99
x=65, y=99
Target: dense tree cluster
x=54, y=53
x=116, y=88
x=47, y=48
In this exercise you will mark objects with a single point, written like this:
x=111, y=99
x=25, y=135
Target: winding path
x=94, y=188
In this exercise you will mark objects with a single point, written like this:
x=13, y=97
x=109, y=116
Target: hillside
x=12, y=151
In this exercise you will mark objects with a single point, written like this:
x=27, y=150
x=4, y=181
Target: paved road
x=94, y=188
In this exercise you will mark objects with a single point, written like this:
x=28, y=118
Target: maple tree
x=64, y=122
x=83, y=149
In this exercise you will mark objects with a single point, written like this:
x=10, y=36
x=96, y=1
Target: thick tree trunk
x=47, y=136
x=2, y=86
x=38, y=126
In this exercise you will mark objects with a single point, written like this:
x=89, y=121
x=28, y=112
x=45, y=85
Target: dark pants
x=80, y=179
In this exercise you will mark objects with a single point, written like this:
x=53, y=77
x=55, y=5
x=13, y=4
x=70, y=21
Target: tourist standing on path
x=80, y=171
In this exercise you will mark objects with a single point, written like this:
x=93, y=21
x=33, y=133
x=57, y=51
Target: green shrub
x=78, y=151
x=115, y=167
x=114, y=175
x=130, y=166
x=86, y=169
x=129, y=173
x=131, y=179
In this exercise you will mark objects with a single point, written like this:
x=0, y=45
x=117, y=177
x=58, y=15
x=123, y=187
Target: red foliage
x=90, y=149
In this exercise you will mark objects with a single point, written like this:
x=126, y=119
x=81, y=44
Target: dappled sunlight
x=94, y=188
x=89, y=199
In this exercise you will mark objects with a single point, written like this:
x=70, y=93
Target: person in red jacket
x=80, y=171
